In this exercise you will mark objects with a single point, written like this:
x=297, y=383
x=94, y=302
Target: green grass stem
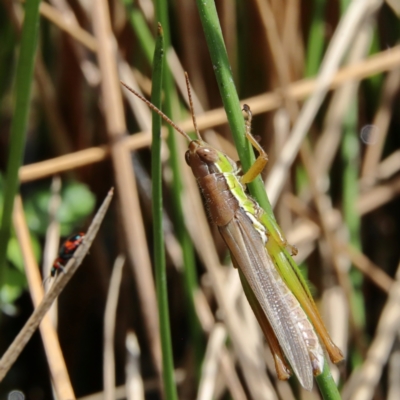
x=327, y=385
x=157, y=206
x=219, y=58
x=351, y=152
x=171, y=105
x=316, y=38
x=23, y=84
x=230, y=99
x=141, y=29
x=146, y=41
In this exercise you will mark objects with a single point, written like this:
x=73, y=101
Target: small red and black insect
x=66, y=252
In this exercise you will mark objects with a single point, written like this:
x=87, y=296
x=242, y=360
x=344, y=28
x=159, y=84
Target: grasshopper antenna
x=191, y=106
x=159, y=112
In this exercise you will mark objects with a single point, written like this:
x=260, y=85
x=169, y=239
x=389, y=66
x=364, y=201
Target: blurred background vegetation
x=337, y=200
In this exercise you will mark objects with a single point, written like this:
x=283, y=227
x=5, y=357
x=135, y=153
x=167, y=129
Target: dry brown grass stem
x=378, y=195
x=59, y=373
x=40, y=311
x=210, y=364
x=207, y=322
x=389, y=166
x=335, y=313
x=69, y=26
x=134, y=381
x=393, y=376
x=66, y=21
x=305, y=234
x=368, y=268
x=328, y=143
x=379, y=277
x=110, y=315
x=52, y=241
x=356, y=13
x=61, y=164
x=131, y=221
x=279, y=56
x=324, y=208
x=383, y=61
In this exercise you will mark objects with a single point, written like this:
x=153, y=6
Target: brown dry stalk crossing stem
x=384, y=61
x=71, y=27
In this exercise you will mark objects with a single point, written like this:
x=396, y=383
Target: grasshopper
x=274, y=286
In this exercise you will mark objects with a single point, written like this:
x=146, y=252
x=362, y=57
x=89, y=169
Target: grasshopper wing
x=293, y=330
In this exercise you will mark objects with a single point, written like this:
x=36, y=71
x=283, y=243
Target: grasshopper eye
x=208, y=154
x=187, y=157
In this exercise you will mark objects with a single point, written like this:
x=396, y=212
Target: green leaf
x=14, y=284
x=78, y=202
x=14, y=254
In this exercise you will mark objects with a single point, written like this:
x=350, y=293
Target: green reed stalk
x=23, y=84
x=157, y=205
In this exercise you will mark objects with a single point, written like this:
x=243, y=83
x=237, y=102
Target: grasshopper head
x=205, y=159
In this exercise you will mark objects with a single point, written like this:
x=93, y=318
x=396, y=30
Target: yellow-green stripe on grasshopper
x=273, y=284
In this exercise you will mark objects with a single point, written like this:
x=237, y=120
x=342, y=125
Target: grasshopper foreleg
x=262, y=158
x=256, y=170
